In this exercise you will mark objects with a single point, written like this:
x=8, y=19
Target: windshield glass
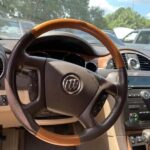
x=13, y=29
x=9, y=29
x=89, y=38
x=19, y=16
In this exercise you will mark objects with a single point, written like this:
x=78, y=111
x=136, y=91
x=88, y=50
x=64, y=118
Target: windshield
x=19, y=16
x=14, y=29
x=9, y=29
x=89, y=38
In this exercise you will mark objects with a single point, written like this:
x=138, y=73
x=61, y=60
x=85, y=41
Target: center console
x=137, y=110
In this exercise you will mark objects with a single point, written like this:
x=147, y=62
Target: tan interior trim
x=57, y=139
x=102, y=61
x=129, y=144
x=45, y=122
x=84, y=26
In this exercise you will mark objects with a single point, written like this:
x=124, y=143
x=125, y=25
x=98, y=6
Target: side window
x=130, y=37
x=143, y=38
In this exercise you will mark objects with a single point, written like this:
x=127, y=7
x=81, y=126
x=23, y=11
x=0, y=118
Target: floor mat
x=12, y=139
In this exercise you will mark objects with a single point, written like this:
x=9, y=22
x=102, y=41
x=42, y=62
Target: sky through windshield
x=141, y=6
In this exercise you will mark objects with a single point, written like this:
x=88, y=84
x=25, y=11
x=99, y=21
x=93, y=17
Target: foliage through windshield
x=92, y=11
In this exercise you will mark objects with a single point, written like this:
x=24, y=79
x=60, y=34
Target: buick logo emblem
x=71, y=84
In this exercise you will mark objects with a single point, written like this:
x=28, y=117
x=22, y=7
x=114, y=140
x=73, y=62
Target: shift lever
x=146, y=136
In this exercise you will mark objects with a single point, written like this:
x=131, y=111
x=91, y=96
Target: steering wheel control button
x=71, y=84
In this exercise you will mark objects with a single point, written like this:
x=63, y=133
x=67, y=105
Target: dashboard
x=136, y=114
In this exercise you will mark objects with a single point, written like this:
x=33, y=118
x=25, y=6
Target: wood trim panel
x=133, y=132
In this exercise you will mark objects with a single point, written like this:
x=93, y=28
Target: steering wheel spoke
x=34, y=107
x=108, y=86
x=33, y=62
x=87, y=120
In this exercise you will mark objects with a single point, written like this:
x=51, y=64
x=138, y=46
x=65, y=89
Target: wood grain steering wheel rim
x=39, y=132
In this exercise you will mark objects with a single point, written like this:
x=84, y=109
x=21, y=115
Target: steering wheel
x=64, y=87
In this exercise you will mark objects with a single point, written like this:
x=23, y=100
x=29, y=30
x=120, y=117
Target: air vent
x=144, y=63
x=124, y=59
